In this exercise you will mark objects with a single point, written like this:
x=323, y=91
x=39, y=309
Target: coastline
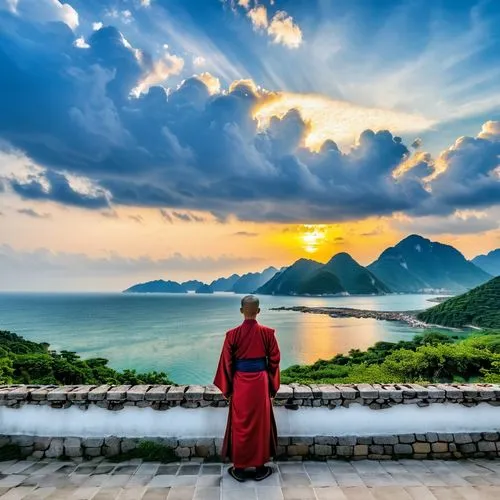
x=407, y=317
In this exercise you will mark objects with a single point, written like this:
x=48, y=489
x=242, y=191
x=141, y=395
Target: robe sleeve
x=224, y=375
x=273, y=368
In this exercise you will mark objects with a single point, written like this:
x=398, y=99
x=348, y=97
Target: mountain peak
x=342, y=257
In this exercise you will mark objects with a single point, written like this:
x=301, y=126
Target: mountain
x=204, y=289
x=290, y=280
x=224, y=284
x=489, y=263
x=417, y=264
x=479, y=307
x=321, y=282
x=249, y=282
x=353, y=277
x=192, y=284
x=157, y=286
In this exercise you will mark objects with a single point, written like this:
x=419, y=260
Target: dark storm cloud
x=70, y=110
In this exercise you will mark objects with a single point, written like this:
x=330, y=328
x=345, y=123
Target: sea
x=182, y=334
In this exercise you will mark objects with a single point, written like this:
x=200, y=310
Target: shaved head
x=250, y=306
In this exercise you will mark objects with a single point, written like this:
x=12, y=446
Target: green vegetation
x=479, y=307
x=26, y=362
x=432, y=357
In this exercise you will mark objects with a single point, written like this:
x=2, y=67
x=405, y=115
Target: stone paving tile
x=207, y=493
x=181, y=493
x=133, y=480
x=156, y=494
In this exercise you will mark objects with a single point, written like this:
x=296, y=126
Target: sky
x=146, y=139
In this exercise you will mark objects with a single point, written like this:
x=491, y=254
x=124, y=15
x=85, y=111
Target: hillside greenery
x=480, y=307
x=26, y=362
x=431, y=357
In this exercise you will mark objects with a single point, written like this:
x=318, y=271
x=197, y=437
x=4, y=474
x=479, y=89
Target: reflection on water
x=182, y=334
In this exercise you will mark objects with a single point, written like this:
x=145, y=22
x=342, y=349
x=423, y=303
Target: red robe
x=251, y=436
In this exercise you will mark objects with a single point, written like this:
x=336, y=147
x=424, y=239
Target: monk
x=248, y=375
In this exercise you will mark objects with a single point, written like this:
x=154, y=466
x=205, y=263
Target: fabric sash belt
x=250, y=365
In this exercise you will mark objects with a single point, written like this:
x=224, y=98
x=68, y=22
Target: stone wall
x=480, y=399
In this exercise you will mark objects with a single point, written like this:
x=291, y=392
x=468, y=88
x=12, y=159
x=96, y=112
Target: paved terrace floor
x=359, y=480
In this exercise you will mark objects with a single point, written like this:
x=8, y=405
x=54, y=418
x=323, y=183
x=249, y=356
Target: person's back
x=248, y=374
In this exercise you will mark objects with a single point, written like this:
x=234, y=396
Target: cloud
x=281, y=29
x=241, y=151
x=246, y=234
x=55, y=186
x=97, y=26
x=460, y=222
x=81, y=43
x=42, y=11
x=165, y=67
x=136, y=218
x=199, y=61
x=258, y=16
x=43, y=269
x=187, y=217
x=33, y=213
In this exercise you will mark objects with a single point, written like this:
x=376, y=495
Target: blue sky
x=369, y=113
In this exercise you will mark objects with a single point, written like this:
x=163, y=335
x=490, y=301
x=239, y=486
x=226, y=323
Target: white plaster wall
x=210, y=422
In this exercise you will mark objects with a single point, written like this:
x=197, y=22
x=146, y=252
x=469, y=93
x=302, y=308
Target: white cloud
x=97, y=26
x=212, y=82
x=258, y=16
x=145, y=3
x=42, y=11
x=199, y=61
x=168, y=65
x=81, y=43
x=283, y=30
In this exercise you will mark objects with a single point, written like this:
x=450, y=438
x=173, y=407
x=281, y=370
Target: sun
x=313, y=236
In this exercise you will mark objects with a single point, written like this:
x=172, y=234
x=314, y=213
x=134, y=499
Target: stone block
x=93, y=452
x=99, y=393
x=92, y=442
x=440, y=447
x=385, y=439
x=490, y=436
x=403, y=449
x=41, y=393
x=213, y=393
x=462, y=438
x=61, y=393
x=431, y=437
x=301, y=391
x=347, y=440
x=345, y=451
x=23, y=440
x=128, y=444
x=367, y=391
x=38, y=454
x=183, y=452
x=445, y=437
x=422, y=448
x=284, y=392
x=176, y=393
x=137, y=392
x=80, y=393
x=19, y=393
x=347, y=392
x=194, y=393
x=73, y=451
x=364, y=440
x=303, y=440
x=407, y=438
x=283, y=441
x=301, y=450
x=486, y=446
x=55, y=449
x=118, y=393
x=322, y=450
x=187, y=442
x=360, y=450
x=376, y=449
x=325, y=440
x=111, y=446
x=467, y=448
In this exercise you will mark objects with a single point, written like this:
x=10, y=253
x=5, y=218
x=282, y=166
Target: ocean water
x=182, y=334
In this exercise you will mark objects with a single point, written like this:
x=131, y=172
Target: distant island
x=414, y=265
